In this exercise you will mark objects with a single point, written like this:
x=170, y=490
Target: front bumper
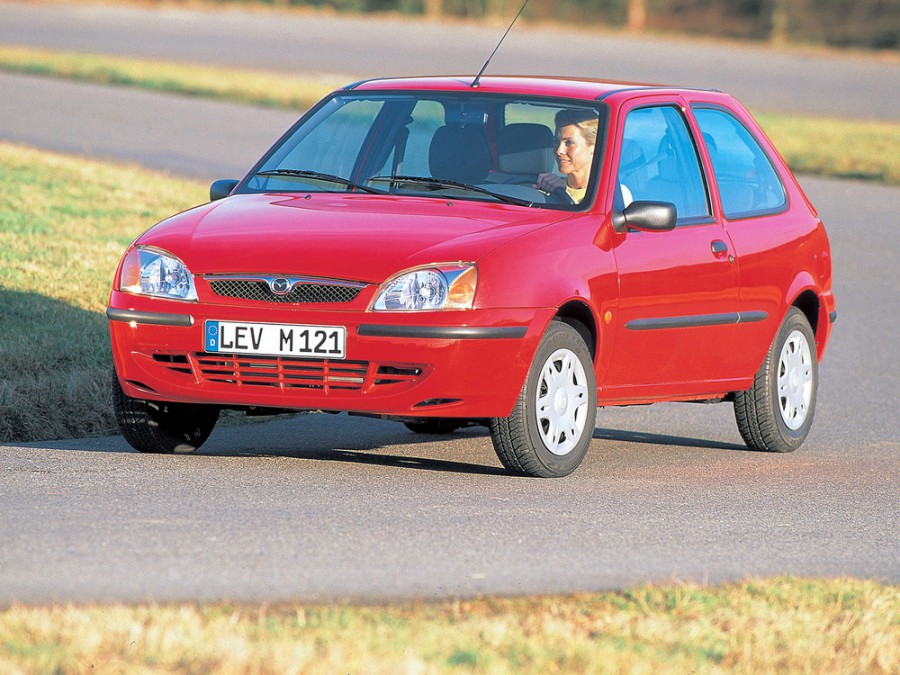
x=439, y=364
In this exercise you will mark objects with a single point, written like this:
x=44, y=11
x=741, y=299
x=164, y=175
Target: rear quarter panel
x=780, y=256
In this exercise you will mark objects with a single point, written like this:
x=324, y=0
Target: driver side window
x=659, y=163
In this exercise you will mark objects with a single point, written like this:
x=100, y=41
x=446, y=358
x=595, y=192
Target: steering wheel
x=559, y=196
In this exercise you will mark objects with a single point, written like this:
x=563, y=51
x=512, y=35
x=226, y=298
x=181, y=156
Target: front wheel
x=552, y=424
x=156, y=426
x=776, y=413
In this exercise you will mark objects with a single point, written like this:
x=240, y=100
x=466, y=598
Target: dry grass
x=232, y=84
x=779, y=625
x=865, y=150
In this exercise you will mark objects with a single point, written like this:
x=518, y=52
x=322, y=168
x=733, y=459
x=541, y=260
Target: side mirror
x=221, y=189
x=646, y=216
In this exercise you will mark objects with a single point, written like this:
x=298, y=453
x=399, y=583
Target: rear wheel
x=776, y=413
x=552, y=424
x=156, y=426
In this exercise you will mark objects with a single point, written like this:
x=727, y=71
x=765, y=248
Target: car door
x=678, y=289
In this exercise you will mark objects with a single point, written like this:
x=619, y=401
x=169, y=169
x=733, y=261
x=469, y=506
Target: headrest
x=460, y=153
x=632, y=159
x=526, y=148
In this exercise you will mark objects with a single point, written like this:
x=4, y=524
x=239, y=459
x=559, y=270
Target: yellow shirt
x=577, y=194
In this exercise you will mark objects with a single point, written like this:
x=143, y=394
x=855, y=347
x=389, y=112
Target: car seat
x=460, y=153
x=523, y=151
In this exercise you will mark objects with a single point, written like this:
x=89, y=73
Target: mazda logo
x=280, y=286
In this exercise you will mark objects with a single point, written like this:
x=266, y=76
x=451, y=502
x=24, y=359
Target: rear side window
x=748, y=183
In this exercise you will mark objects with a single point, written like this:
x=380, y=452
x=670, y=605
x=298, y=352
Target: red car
x=514, y=253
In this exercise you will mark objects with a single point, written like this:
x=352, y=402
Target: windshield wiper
x=303, y=174
x=441, y=183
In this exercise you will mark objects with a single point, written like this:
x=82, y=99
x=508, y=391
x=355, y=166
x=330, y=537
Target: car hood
x=357, y=237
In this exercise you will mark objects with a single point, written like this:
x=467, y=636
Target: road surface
x=345, y=508
x=817, y=82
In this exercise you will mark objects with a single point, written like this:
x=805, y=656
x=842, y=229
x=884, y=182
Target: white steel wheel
x=795, y=380
x=552, y=424
x=776, y=413
x=561, y=402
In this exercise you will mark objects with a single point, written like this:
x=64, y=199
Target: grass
x=863, y=150
x=777, y=625
x=64, y=222
x=230, y=84
x=812, y=145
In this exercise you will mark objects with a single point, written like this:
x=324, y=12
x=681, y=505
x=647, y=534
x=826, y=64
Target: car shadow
x=376, y=458
x=360, y=440
x=318, y=437
x=663, y=439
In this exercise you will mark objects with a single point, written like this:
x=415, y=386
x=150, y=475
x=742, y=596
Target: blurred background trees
x=871, y=24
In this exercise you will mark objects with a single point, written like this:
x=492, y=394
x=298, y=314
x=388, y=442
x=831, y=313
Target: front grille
x=289, y=373
x=304, y=292
x=281, y=372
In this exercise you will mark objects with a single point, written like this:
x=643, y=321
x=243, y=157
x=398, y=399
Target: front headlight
x=150, y=271
x=434, y=287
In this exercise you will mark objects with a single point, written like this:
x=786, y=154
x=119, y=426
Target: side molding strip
x=696, y=320
x=152, y=318
x=443, y=332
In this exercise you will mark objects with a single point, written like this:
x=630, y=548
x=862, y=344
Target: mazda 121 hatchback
x=513, y=254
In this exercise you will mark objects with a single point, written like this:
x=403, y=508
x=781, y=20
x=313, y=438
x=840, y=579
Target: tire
x=776, y=413
x=552, y=424
x=436, y=425
x=159, y=427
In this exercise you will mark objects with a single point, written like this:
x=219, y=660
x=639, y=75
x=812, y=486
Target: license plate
x=272, y=339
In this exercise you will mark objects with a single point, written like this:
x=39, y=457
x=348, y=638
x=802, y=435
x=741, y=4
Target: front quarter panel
x=562, y=263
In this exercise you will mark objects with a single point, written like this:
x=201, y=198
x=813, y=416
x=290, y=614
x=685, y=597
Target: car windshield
x=482, y=147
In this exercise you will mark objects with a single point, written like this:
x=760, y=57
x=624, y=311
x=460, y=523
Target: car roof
x=562, y=87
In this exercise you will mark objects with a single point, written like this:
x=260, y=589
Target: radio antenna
x=477, y=79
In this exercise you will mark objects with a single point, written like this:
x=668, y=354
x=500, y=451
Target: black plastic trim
x=443, y=332
x=153, y=318
x=696, y=320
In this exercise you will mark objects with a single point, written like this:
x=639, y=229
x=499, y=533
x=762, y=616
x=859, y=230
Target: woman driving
x=576, y=135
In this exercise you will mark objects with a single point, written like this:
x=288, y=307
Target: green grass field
x=781, y=625
x=64, y=222
x=814, y=145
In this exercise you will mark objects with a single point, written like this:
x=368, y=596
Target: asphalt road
x=805, y=81
x=327, y=508
x=193, y=137
x=331, y=508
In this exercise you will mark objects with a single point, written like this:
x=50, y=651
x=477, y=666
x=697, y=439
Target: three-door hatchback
x=513, y=254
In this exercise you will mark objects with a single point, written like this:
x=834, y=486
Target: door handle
x=720, y=250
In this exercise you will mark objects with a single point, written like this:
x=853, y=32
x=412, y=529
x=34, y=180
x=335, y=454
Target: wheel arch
x=808, y=303
x=579, y=315
x=807, y=296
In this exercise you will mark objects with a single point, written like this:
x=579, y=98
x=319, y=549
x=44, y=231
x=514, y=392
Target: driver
x=576, y=135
